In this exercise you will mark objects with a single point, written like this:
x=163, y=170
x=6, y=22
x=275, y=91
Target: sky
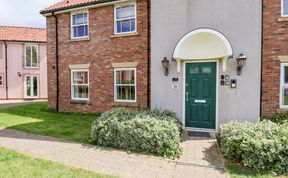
x=23, y=12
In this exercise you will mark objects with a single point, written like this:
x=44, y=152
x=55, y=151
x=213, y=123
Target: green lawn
x=36, y=118
x=236, y=171
x=13, y=164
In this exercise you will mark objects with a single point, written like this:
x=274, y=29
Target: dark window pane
x=126, y=25
x=28, y=56
x=35, y=86
x=75, y=31
x=133, y=25
x=286, y=74
x=81, y=31
x=34, y=56
x=285, y=97
x=119, y=27
x=285, y=7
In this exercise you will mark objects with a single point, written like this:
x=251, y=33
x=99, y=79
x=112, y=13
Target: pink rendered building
x=23, y=63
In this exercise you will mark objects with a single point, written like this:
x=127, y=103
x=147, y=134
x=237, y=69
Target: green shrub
x=262, y=146
x=278, y=118
x=156, y=132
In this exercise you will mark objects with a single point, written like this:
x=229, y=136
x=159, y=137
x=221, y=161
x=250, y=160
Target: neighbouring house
x=98, y=54
x=275, y=57
x=206, y=44
x=23, y=63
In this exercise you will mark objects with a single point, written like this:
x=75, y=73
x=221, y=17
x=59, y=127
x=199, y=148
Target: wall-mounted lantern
x=165, y=64
x=241, y=62
x=19, y=74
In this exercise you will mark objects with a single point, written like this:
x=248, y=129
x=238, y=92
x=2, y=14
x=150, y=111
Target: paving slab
x=200, y=157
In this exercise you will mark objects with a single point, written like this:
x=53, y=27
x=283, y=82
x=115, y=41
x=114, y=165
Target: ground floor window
x=31, y=86
x=80, y=84
x=284, y=86
x=1, y=80
x=125, y=84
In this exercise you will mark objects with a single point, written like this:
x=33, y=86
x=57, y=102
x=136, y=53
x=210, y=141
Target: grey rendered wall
x=239, y=21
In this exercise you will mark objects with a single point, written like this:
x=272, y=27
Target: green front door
x=200, y=95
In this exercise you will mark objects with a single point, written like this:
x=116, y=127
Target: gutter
x=6, y=70
x=57, y=61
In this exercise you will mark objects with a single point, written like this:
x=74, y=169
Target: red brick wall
x=100, y=51
x=275, y=43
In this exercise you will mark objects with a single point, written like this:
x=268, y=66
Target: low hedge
x=152, y=131
x=278, y=118
x=262, y=146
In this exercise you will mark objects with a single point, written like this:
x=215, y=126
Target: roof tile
x=67, y=4
x=22, y=34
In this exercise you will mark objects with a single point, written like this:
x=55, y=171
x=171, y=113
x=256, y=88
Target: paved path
x=13, y=103
x=200, y=158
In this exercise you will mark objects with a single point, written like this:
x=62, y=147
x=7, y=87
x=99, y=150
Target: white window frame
x=282, y=85
x=37, y=51
x=115, y=84
x=2, y=79
x=115, y=18
x=72, y=26
x=72, y=84
x=32, y=86
x=282, y=9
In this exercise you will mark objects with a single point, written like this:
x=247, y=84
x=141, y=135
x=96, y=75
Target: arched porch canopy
x=203, y=44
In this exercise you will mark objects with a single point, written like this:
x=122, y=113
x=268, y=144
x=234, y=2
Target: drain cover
x=198, y=134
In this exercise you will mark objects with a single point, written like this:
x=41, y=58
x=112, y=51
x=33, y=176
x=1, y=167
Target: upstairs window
x=284, y=12
x=79, y=25
x=31, y=56
x=125, y=19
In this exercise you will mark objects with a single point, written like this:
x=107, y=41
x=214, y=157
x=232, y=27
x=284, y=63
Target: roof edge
x=43, y=12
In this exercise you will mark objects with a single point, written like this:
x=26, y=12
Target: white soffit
x=203, y=44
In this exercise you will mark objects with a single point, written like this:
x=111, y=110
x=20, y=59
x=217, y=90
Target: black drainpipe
x=149, y=55
x=6, y=69
x=57, y=62
x=262, y=57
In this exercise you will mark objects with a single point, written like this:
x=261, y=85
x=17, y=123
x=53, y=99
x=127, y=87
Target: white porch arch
x=203, y=44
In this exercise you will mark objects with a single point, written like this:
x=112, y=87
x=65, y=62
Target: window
x=284, y=8
x=1, y=80
x=79, y=25
x=79, y=84
x=125, y=84
x=125, y=19
x=31, y=56
x=284, y=86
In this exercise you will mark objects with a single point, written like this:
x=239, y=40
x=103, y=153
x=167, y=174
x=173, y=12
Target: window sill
x=31, y=68
x=283, y=19
x=80, y=102
x=78, y=40
x=123, y=104
x=282, y=111
x=125, y=35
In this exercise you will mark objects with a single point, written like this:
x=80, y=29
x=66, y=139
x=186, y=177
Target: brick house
x=100, y=50
x=275, y=57
x=23, y=63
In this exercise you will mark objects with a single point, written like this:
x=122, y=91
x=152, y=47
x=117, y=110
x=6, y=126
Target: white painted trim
x=204, y=30
x=217, y=94
x=32, y=86
x=72, y=90
x=85, y=7
x=282, y=9
x=115, y=87
x=115, y=14
x=282, y=84
x=37, y=51
x=71, y=24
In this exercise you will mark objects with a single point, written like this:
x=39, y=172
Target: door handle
x=187, y=96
